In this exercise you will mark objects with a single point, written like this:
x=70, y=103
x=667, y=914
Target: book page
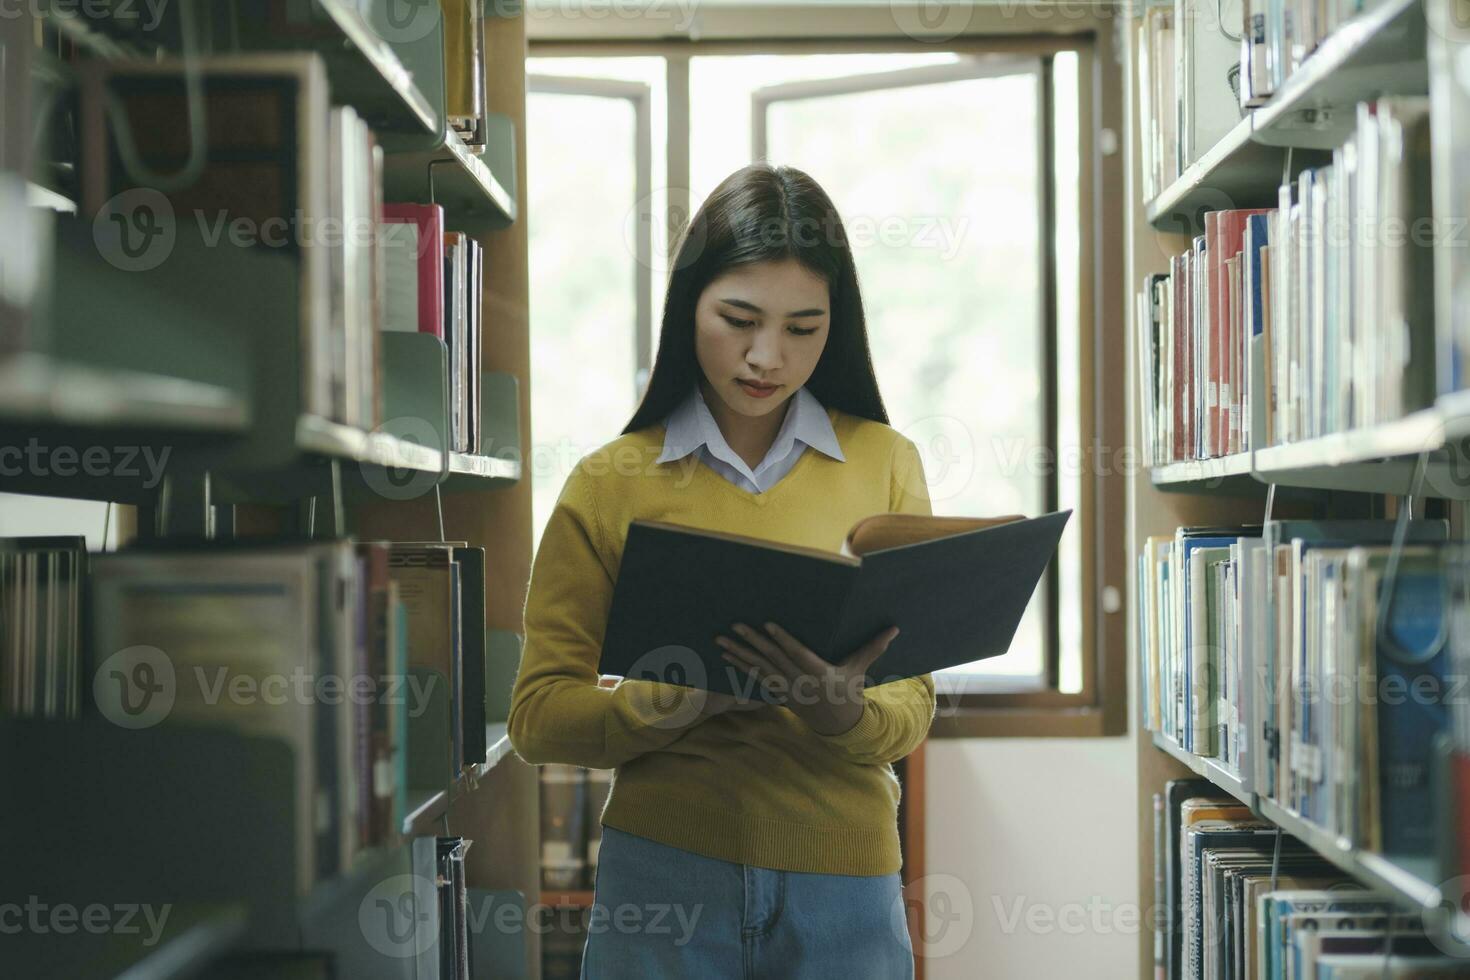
x=880, y=531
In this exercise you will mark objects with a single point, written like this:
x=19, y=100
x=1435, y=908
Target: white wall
x=1047, y=826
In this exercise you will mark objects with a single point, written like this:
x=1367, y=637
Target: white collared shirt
x=692, y=428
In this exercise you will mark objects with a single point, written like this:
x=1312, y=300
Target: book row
x=1307, y=319
x=1200, y=66
x=1234, y=900
x=340, y=649
x=40, y=612
x=1315, y=660
x=572, y=799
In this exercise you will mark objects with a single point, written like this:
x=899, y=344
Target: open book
x=956, y=587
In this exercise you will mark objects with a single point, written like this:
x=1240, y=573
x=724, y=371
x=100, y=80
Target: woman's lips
x=755, y=392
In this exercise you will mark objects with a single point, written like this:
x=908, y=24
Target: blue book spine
x=1257, y=233
x=1411, y=711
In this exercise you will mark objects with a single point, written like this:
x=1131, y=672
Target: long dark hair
x=764, y=213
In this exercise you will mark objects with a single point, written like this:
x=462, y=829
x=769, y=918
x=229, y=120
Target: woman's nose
x=764, y=355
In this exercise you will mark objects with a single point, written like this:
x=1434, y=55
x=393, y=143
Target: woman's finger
x=779, y=653
x=767, y=647
x=804, y=660
x=743, y=657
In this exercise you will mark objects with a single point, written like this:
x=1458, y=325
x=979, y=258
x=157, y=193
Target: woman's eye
x=803, y=333
x=735, y=322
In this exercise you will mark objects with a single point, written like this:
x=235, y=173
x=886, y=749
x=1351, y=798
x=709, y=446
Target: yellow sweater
x=755, y=787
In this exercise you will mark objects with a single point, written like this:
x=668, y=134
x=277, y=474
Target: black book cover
x=472, y=650
x=955, y=599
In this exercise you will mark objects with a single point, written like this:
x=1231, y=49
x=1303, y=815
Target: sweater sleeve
x=558, y=711
x=896, y=716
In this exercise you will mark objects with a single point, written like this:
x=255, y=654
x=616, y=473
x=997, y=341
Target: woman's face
x=765, y=322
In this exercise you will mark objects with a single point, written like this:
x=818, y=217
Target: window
x=958, y=171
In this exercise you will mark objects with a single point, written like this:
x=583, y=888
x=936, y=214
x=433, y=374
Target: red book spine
x=1232, y=244
x=430, y=221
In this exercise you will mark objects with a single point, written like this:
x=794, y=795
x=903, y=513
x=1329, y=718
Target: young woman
x=740, y=839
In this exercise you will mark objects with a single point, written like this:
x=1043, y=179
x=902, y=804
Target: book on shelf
x=1242, y=901
x=1158, y=120
x=294, y=641
x=1309, y=319
x=464, y=70
x=355, y=201
x=564, y=822
x=429, y=581
x=1353, y=319
x=956, y=587
x=412, y=237
x=41, y=581
x=453, y=940
x=1207, y=53
x=1449, y=110
x=436, y=289
x=463, y=259
x=1201, y=66
x=572, y=801
x=1266, y=653
x=264, y=177
x=171, y=628
x=472, y=651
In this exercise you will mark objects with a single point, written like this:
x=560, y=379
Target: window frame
x=968, y=68
x=1009, y=707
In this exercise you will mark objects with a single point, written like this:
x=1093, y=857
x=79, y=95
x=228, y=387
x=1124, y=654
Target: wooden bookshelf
x=1361, y=472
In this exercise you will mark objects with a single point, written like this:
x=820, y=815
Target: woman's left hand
x=827, y=696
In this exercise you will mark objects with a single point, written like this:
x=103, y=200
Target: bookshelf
x=207, y=357
x=1388, y=49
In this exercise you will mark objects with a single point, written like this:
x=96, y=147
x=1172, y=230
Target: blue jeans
x=664, y=913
